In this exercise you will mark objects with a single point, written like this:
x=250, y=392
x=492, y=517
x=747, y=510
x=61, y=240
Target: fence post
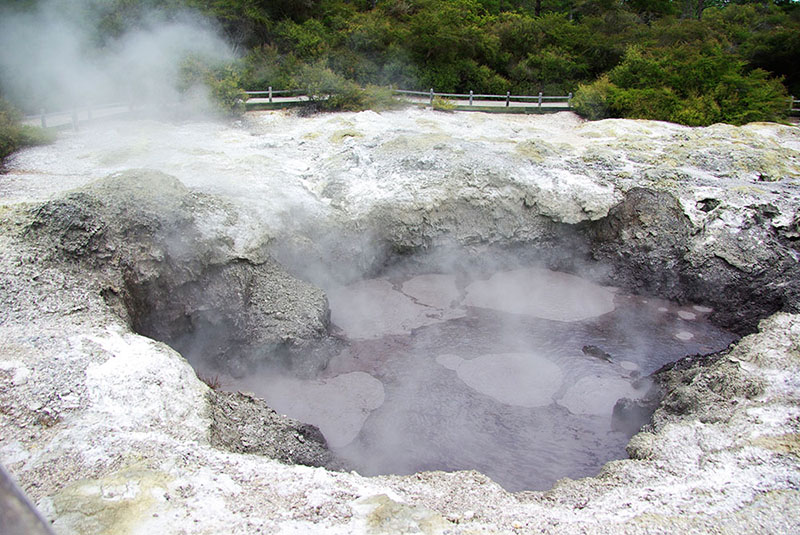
x=44, y=118
x=540, y=99
x=569, y=100
x=270, y=94
x=74, y=118
x=470, y=97
x=791, y=102
x=431, y=96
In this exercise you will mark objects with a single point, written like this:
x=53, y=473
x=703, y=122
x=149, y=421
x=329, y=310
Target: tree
x=690, y=85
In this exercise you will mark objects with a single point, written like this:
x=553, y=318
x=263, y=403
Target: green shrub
x=697, y=110
x=309, y=40
x=593, y=101
x=379, y=98
x=226, y=91
x=265, y=66
x=658, y=104
x=696, y=86
x=329, y=91
x=751, y=97
x=551, y=67
x=639, y=70
x=14, y=136
x=222, y=81
x=443, y=104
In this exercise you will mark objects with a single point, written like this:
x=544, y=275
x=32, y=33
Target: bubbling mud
x=514, y=373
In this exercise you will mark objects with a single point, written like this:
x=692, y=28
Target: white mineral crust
x=107, y=431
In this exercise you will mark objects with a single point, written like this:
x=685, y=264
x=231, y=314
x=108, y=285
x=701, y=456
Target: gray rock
x=645, y=238
x=630, y=415
x=708, y=388
x=17, y=515
x=596, y=352
x=745, y=272
x=174, y=281
x=244, y=424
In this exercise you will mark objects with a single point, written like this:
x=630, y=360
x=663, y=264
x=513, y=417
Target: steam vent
x=403, y=322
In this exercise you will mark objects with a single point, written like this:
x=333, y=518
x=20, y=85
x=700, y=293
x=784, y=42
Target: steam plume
x=55, y=56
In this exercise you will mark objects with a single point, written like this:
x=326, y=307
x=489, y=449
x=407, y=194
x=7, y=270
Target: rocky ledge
x=108, y=430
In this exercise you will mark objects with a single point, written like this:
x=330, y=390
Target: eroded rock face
x=245, y=424
x=745, y=271
x=646, y=237
x=688, y=214
x=340, y=194
x=177, y=279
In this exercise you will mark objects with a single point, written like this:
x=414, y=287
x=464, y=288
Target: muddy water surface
x=446, y=372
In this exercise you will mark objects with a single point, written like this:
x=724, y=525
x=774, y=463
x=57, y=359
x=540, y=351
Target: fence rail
x=461, y=101
x=287, y=97
x=509, y=100
x=270, y=94
x=76, y=115
x=280, y=97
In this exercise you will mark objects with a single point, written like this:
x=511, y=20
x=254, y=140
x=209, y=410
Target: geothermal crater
x=433, y=292
x=514, y=373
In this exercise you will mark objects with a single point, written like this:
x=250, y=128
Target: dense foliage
x=683, y=85
x=690, y=61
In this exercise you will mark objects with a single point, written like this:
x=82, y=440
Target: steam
x=53, y=56
x=481, y=365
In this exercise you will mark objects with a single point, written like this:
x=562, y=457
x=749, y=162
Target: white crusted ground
x=339, y=167
x=108, y=431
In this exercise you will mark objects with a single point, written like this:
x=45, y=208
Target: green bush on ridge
x=14, y=136
x=695, y=87
x=329, y=91
x=221, y=81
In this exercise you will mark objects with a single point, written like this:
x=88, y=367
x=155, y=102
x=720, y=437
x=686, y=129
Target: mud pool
x=497, y=372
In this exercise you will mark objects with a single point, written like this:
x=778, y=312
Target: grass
x=214, y=382
x=443, y=104
x=14, y=135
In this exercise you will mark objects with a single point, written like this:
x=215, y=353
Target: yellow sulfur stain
x=112, y=505
x=788, y=443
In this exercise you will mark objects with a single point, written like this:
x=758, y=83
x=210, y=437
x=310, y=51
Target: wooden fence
x=473, y=100
x=75, y=116
x=272, y=98
x=272, y=95
x=459, y=101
